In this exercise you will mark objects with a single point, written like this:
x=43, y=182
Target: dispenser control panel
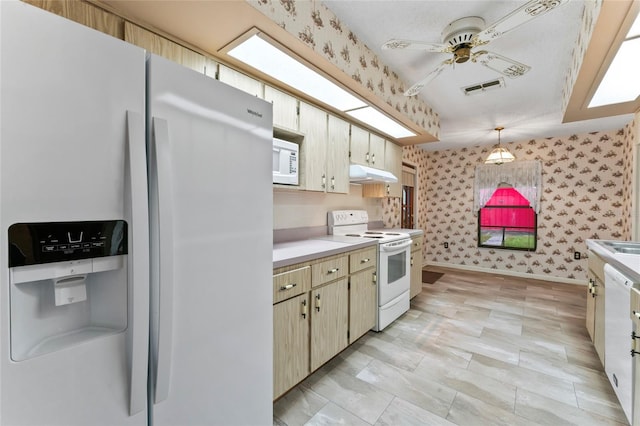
x=46, y=242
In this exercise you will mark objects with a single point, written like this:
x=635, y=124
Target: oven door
x=395, y=270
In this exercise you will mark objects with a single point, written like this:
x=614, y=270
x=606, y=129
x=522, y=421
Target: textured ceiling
x=528, y=107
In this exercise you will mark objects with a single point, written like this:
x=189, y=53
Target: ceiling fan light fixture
x=499, y=155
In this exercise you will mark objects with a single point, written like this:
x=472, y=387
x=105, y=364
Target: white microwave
x=285, y=162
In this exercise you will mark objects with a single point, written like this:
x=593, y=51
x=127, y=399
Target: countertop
x=290, y=253
x=285, y=254
x=628, y=264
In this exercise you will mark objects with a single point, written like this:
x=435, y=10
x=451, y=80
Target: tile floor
x=475, y=349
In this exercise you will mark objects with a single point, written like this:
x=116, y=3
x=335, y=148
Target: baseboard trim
x=508, y=273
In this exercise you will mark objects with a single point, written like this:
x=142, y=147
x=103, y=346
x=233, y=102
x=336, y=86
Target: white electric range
x=394, y=256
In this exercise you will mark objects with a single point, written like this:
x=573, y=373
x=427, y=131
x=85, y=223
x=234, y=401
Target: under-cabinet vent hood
x=364, y=174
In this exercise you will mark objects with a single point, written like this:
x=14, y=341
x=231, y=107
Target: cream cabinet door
x=338, y=155
x=290, y=343
x=591, y=306
x=376, y=151
x=359, y=146
x=285, y=108
x=313, y=156
x=329, y=321
x=416, y=274
x=363, y=302
x=598, y=340
x=393, y=164
x=163, y=47
x=240, y=81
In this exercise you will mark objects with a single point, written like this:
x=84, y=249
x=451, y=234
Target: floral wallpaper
x=319, y=28
x=587, y=183
x=589, y=17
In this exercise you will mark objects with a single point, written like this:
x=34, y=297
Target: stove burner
x=391, y=233
x=373, y=236
x=373, y=232
x=352, y=235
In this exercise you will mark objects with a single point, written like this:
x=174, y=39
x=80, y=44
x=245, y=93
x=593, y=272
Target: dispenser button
x=48, y=248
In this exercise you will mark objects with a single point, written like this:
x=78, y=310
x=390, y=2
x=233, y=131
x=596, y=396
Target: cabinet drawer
x=363, y=259
x=291, y=283
x=596, y=264
x=329, y=270
x=416, y=243
x=635, y=307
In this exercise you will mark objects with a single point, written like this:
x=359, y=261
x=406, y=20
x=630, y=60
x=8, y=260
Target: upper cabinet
x=165, y=48
x=285, y=108
x=338, y=155
x=393, y=164
x=313, y=150
x=367, y=149
x=376, y=151
x=241, y=81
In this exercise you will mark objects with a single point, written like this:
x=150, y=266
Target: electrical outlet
x=446, y=245
x=576, y=255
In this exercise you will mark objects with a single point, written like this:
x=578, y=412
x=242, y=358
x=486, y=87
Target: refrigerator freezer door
x=219, y=369
x=65, y=92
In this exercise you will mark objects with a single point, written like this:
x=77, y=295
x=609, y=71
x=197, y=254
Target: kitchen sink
x=624, y=247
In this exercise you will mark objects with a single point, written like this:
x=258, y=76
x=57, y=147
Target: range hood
x=364, y=174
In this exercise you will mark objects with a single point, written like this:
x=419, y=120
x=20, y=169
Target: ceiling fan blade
x=416, y=88
x=395, y=43
x=530, y=10
x=501, y=64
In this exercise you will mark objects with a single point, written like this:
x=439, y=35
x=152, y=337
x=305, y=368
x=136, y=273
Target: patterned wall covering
x=630, y=139
x=589, y=18
x=319, y=28
x=587, y=181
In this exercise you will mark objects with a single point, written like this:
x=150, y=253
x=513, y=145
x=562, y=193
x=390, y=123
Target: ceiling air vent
x=483, y=87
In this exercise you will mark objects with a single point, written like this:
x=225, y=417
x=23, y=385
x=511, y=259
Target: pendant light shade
x=499, y=155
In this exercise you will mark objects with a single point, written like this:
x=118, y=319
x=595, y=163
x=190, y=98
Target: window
x=507, y=221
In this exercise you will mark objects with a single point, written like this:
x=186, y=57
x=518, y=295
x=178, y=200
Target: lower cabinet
x=595, y=303
x=363, y=302
x=329, y=321
x=290, y=343
x=416, y=267
x=635, y=317
x=320, y=307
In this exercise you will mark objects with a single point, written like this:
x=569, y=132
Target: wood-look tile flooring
x=475, y=349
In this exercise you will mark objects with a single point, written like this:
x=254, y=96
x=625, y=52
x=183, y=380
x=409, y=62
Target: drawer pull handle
x=317, y=303
x=634, y=336
x=333, y=271
x=375, y=278
x=365, y=260
x=288, y=287
x=637, y=314
x=304, y=309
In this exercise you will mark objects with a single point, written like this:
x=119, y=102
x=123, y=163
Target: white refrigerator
x=127, y=297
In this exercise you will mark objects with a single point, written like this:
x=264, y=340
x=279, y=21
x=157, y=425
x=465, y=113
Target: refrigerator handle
x=138, y=263
x=160, y=137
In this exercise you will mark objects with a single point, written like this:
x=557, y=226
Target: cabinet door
x=313, y=158
x=163, y=47
x=329, y=321
x=591, y=306
x=376, y=151
x=598, y=340
x=338, y=155
x=363, y=302
x=416, y=273
x=359, y=146
x=285, y=108
x=290, y=343
x=240, y=81
x=393, y=164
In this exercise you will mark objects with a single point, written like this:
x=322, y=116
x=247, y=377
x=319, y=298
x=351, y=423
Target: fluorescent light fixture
x=267, y=58
x=375, y=118
x=621, y=82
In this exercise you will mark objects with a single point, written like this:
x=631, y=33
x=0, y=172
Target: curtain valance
x=524, y=176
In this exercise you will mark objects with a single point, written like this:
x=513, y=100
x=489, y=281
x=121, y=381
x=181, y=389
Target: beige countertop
x=289, y=253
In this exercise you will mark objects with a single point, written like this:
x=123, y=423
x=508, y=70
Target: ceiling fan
x=463, y=35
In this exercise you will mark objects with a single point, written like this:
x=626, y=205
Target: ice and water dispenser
x=68, y=284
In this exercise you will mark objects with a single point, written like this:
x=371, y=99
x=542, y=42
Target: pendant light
x=499, y=155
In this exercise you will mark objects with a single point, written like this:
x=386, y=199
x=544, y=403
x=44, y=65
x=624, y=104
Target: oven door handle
x=394, y=247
